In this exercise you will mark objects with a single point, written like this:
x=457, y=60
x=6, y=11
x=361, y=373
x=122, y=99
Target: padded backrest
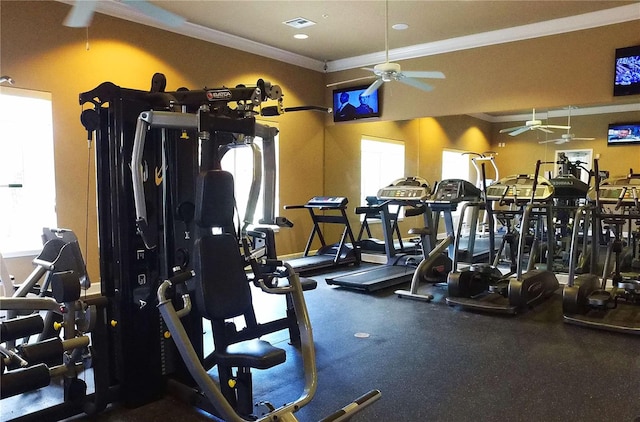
x=215, y=201
x=223, y=290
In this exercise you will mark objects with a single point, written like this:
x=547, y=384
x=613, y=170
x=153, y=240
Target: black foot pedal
x=599, y=299
x=630, y=285
x=501, y=288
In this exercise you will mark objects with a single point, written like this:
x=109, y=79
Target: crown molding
x=122, y=11
x=582, y=111
x=552, y=27
x=518, y=33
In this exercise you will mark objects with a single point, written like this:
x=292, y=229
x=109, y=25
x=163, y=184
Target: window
x=381, y=162
x=239, y=161
x=27, y=175
x=455, y=165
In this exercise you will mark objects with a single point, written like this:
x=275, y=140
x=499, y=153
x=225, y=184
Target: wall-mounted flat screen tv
x=624, y=133
x=627, y=72
x=350, y=104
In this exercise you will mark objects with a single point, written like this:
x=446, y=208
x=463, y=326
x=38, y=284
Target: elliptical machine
x=479, y=276
x=586, y=300
x=438, y=261
x=512, y=294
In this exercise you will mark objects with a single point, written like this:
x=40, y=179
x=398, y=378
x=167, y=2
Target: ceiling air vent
x=298, y=23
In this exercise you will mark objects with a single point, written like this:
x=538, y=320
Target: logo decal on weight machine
x=159, y=175
x=219, y=94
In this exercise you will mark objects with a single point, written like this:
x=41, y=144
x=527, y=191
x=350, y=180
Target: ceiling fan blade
x=423, y=74
x=583, y=139
x=349, y=81
x=555, y=127
x=415, y=83
x=542, y=129
x=370, y=69
x=509, y=129
x=155, y=12
x=373, y=87
x=81, y=14
x=519, y=131
x=548, y=141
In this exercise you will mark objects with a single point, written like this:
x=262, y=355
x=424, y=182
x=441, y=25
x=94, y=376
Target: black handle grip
x=181, y=277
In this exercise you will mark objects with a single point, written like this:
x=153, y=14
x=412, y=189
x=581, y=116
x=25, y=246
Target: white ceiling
x=350, y=34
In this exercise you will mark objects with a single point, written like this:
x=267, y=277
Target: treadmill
x=399, y=267
x=329, y=210
x=371, y=212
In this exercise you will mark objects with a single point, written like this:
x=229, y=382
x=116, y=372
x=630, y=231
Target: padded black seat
x=254, y=353
x=308, y=283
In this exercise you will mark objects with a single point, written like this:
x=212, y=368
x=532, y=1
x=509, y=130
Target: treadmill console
x=417, y=193
x=327, y=202
x=519, y=188
x=618, y=190
x=408, y=188
x=569, y=187
x=455, y=190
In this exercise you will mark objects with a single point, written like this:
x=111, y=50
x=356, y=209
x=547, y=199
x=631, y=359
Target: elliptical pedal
x=502, y=288
x=630, y=285
x=599, y=299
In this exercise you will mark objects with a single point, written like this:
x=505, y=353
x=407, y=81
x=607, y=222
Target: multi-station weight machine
x=162, y=198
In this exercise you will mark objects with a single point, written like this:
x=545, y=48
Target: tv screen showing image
x=623, y=133
x=350, y=104
x=627, y=71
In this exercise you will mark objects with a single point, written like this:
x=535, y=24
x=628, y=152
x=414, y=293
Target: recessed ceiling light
x=301, y=36
x=400, y=26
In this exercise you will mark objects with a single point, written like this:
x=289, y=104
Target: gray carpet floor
x=437, y=363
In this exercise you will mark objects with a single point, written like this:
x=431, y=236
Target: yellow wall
x=574, y=68
x=316, y=156
x=520, y=152
x=424, y=140
x=42, y=54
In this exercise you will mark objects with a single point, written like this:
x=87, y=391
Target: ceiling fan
x=387, y=71
x=82, y=12
x=566, y=137
x=532, y=124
